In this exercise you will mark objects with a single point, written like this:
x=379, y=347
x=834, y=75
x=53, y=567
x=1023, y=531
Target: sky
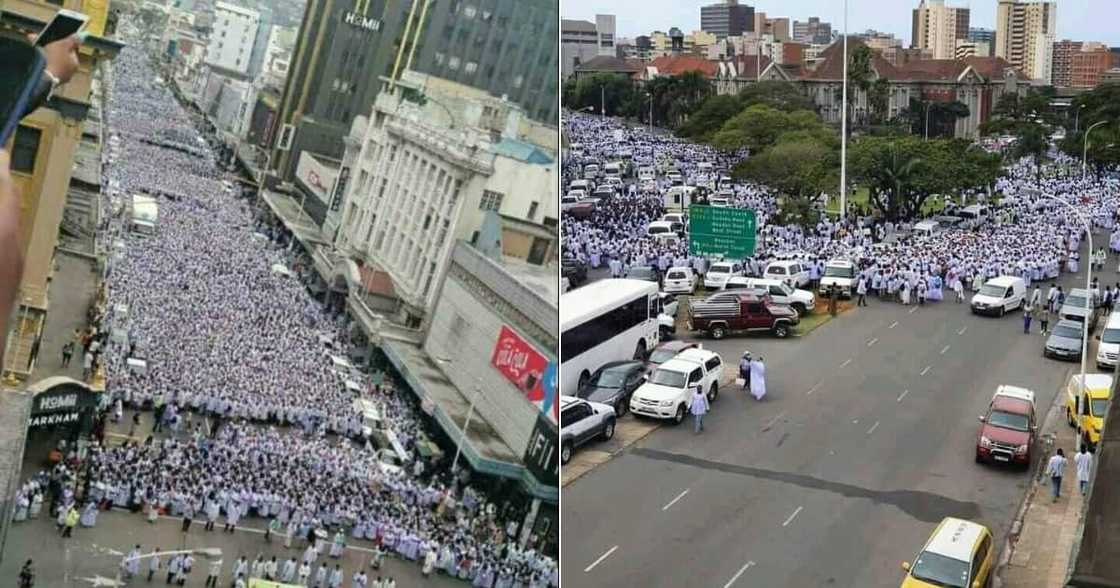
x=1079, y=20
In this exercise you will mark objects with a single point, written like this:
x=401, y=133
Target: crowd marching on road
x=226, y=338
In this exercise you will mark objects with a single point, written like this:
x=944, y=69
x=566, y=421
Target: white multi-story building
x=231, y=38
x=1025, y=35
x=937, y=27
x=581, y=41
x=427, y=171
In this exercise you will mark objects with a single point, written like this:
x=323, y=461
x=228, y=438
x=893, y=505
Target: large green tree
x=800, y=168
x=709, y=117
x=615, y=91
x=759, y=127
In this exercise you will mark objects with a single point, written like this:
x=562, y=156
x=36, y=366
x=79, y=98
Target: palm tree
x=897, y=171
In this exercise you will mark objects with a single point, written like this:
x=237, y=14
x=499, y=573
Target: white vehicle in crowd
x=661, y=227
x=720, y=272
x=570, y=200
x=926, y=228
x=680, y=280
x=999, y=295
x=587, y=186
x=612, y=171
x=679, y=198
x=840, y=273
x=582, y=421
x=788, y=269
x=604, y=321
x=647, y=174
x=591, y=171
x=1109, y=349
x=802, y=301
x=667, y=392
x=724, y=183
x=675, y=178
x=674, y=217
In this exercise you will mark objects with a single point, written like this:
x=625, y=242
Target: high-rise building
x=44, y=149
x=1025, y=33
x=507, y=48
x=967, y=48
x=937, y=27
x=777, y=27
x=582, y=40
x=879, y=41
x=1062, y=64
x=981, y=35
x=232, y=38
x=812, y=31
x=727, y=19
x=1087, y=67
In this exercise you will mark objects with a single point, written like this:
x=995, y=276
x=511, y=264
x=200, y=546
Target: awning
x=481, y=446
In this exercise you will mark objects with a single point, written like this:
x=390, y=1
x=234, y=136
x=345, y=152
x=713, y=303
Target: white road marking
x=737, y=574
x=792, y=516
x=963, y=329
x=873, y=341
x=674, y=501
x=846, y=362
x=903, y=395
x=925, y=371
x=600, y=560
x=944, y=349
x=893, y=325
x=873, y=427
x=913, y=310
x=774, y=420
x=815, y=387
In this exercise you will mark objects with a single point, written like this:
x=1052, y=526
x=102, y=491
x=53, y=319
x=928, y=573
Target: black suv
x=573, y=269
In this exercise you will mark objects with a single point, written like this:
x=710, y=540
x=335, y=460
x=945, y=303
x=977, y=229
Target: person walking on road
x=72, y=517
x=1028, y=314
x=1083, y=461
x=1044, y=318
x=215, y=571
x=698, y=407
x=26, y=575
x=861, y=290
x=758, y=379
x=153, y=564
x=1055, y=469
x=745, y=370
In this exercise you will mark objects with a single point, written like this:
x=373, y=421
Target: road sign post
x=716, y=231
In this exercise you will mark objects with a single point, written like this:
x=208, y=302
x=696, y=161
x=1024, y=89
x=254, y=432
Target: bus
x=608, y=320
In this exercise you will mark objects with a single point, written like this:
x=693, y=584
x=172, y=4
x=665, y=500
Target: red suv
x=1008, y=429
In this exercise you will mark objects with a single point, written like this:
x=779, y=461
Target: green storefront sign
x=716, y=231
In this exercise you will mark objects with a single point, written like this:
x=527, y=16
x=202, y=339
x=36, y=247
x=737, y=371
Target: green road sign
x=717, y=231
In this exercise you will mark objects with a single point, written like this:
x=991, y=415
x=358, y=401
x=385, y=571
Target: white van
x=673, y=217
x=721, y=271
x=647, y=174
x=366, y=410
x=679, y=198
x=612, y=170
x=660, y=228
x=792, y=270
x=975, y=214
x=999, y=295
x=586, y=185
x=802, y=301
x=591, y=171
x=927, y=228
x=1109, y=348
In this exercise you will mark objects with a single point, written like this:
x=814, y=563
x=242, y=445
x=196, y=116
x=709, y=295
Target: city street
x=863, y=443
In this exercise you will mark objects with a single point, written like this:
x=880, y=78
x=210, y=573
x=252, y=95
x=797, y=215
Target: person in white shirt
x=1083, y=461
x=1055, y=468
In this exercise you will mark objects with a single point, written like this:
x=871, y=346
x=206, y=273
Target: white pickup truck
x=667, y=391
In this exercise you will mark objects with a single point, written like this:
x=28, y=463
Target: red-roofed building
x=675, y=65
x=743, y=70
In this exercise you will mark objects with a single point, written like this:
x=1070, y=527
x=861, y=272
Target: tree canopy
x=591, y=92
x=710, y=115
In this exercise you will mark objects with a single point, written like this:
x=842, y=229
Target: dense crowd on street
x=226, y=338
x=1031, y=233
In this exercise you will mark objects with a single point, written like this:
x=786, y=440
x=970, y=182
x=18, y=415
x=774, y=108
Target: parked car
x=1109, y=348
x=802, y=301
x=663, y=227
x=840, y=273
x=666, y=351
x=668, y=389
x=720, y=272
x=1086, y=411
x=575, y=270
x=1064, y=341
x=613, y=383
x=646, y=273
x=999, y=295
x=740, y=311
x=792, y=270
x=958, y=553
x=1079, y=306
x=679, y=280
x=582, y=421
x=1007, y=429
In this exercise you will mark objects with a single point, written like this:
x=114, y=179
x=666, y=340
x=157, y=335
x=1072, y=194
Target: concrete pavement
x=864, y=442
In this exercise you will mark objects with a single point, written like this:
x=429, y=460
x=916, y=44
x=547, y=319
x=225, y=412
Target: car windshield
x=676, y=275
x=839, y=272
x=667, y=378
x=1075, y=301
x=940, y=570
x=776, y=270
x=1007, y=420
x=1067, y=331
x=1099, y=406
x=719, y=269
x=656, y=230
x=1110, y=336
x=993, y=290
x=660, y=356
x=609, y=378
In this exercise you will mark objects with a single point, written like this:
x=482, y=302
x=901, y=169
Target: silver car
x=582, y=421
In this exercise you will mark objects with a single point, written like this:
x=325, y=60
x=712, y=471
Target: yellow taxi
x=958, y=555
x=1086, y=412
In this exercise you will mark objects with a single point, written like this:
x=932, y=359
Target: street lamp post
x=928, y=104
x=1077, y=118
x=650, y=96
x=603, y=101
x=1085, y=147
x=844, y=126
x=470, y=415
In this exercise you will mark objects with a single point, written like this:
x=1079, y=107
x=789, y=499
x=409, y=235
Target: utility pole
x=844, y=126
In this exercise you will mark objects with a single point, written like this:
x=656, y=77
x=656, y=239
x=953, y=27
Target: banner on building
x=542, y=455
x=526, y=368
x=340, y=188
x=315, y=175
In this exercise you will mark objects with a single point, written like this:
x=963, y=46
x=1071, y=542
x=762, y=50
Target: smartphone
x=64, y=24
x=21, y=68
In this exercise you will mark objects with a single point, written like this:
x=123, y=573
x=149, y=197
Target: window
x=754, y=308
x=581, y=338
x=25, y=149
x=533, y=210
x=695, y=377
x=574, y=415
x=549, y=222
x=491, y=201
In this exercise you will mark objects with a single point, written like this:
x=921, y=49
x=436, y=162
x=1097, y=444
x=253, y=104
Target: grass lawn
x=820, y=316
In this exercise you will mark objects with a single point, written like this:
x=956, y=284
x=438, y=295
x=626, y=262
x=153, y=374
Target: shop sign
x=542, y=455
x=526, y=368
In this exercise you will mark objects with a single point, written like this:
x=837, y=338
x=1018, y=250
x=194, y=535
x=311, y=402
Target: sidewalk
x=1040, y=557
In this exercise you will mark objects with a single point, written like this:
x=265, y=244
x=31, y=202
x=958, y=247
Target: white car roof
x=1092, y=381
x=1015, y=392
x=955, y=539
x=1003, y=281
x=839, y=263
x=694, y=355
x=660, y=223
x=680, y=267
x=678, y=364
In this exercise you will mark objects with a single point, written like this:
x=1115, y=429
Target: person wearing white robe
x=758, y=379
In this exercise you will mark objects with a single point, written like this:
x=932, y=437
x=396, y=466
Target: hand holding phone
x=65, y=23
x=21, y=68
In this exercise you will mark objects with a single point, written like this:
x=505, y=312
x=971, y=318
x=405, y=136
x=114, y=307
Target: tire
x=621, y=407
x=713, y=392
x=583, y=378
x=718, y=333
x=781, y=330
x=799, y=308
x=1069, y=419
x=608, y=431
x=640, y=352
x=679, y=417
x=977, y=458
x=1002, y=311
x=565, y=452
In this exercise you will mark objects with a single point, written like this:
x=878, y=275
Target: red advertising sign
x=520, y=363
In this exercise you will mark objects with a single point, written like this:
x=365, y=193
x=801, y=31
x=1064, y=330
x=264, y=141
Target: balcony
x=377, y=326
